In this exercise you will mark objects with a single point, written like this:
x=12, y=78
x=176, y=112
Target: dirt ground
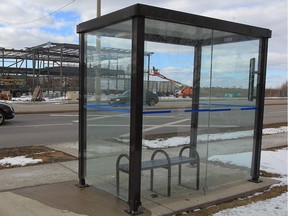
x=47, y=155
x=273, y=192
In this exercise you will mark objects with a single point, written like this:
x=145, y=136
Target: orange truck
x=185, y=91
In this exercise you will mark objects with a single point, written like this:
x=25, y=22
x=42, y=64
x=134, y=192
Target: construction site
x=53, y=68
x=49, y=67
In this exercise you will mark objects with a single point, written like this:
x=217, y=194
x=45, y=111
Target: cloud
x=33, y=22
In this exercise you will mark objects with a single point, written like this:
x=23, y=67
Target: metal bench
x=166, y=163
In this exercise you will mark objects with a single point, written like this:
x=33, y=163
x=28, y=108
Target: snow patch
x=271, y=161
x=179, y=141
x=19, y=160
x=274, y=206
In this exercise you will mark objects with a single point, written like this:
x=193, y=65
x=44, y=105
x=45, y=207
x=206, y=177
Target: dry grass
x=36, y=152
x=273, y=192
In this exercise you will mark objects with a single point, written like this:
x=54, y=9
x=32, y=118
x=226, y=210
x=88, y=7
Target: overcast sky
x=25, y=23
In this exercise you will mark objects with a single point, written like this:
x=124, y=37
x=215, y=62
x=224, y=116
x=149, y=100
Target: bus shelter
x=143, y=146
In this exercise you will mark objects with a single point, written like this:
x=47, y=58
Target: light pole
x=98, y=63
x=98, y=8
x=148, y=75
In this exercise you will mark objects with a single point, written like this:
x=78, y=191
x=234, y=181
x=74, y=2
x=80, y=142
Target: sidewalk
x=45, y=107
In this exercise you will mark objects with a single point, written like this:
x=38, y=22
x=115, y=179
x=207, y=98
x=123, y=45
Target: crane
x=185, y=90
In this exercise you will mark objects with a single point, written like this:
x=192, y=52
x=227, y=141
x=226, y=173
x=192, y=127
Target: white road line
x=42, y=125
x=166, y=125
x=102, y=125
x=158, y=116
x=106, y=116
x=102, y=117
x=127, y=125
x=160, y=126
x=277, y=112
x=63, y=115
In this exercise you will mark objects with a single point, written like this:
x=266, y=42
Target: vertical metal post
x=38, y=68
x=259, y=113
x=2, y=60
x=26, y=74
x=136, y=120
x=98, y=61
x=195, y=97
x=82, y=115
x=61, y=72
x=98, y=8
x=48, y=71
x=33, y=69
x=148, y=72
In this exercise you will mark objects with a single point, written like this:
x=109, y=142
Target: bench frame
x=165, y=163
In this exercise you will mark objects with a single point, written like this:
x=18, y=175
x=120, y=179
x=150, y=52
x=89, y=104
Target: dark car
x=149, y=98
x=6, y=112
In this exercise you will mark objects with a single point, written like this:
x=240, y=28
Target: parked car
x=150, y=98
x=6, y=112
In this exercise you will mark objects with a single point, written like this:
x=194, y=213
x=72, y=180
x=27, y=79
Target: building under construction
x=54, y=67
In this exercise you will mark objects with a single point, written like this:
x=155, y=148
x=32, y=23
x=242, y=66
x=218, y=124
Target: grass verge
x=47, y=155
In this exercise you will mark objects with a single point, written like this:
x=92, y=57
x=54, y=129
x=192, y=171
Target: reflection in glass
x=108, y=61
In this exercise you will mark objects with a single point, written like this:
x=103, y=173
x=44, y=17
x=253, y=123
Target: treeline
x=277, y=92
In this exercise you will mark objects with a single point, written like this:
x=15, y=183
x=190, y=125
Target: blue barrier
x=113, y=108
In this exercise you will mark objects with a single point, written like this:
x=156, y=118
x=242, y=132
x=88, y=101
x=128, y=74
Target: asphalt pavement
x=28, y=107
x=50, y=189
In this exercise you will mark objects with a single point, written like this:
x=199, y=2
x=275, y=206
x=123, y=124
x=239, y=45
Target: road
x=39, y=129
x=45, y=129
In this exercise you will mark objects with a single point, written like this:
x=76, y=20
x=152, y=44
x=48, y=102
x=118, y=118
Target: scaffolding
x=53, y=66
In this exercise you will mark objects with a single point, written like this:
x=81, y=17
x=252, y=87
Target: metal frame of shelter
x=137, y=13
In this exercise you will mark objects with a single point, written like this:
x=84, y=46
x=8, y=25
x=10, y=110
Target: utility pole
x=98, y=8
x=98, y=63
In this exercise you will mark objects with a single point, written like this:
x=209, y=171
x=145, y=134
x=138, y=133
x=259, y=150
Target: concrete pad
x=66, y=196
x=220, y=195
x=45, y=107
x=274, y=140
x=38, y=175
x=69, y=148
x=12, y=205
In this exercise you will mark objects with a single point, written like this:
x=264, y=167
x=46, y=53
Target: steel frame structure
x=50, y=59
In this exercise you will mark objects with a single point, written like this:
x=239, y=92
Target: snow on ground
x=177, y=141
x=271, y=161
x=19, y=160
x=275, y=161
x=276, y=206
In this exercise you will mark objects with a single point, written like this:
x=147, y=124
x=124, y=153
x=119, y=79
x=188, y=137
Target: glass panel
x=201, y=79
x=108, y=62
x=171, y=50
x=231, y=118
